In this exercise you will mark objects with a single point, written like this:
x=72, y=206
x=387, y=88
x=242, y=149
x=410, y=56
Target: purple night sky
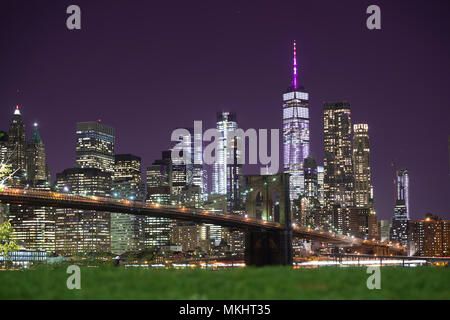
x=147, y=67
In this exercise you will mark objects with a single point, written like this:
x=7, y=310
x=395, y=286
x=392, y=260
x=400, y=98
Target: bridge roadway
x=63, y=200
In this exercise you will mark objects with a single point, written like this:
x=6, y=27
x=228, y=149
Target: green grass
x=247, y=283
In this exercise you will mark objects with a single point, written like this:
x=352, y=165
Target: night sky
x=147, y=67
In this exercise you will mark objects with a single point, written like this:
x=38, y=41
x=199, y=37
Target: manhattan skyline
x=172, y=76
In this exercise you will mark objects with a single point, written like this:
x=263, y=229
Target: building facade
x=403, y=189
x=338, y=168
x=310, y=205
x=83, y=231
x=95, y=146
x=156, y=231
x=3, y=147
x=429, y=237
x=361, y=165
x=399, y=227
x=17, y=149
x=126, y=229
x=227, y=169
x=36, y=159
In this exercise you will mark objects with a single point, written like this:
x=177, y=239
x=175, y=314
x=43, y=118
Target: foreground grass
x=247, y=283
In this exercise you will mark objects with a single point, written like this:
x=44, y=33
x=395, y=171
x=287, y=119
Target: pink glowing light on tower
x=294, y=76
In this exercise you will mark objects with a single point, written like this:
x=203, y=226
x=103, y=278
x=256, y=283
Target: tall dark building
x=310, y=204
x=399, y=227
x=338, y=168
x=95, y=146
x=36, y=159
x=17, y=147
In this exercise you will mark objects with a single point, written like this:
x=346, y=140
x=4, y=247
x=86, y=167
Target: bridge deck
x=63, y=200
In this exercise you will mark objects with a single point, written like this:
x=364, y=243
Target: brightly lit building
x=399, y=227
x=156, y=231
x=126, y=184
x=361, y=165
x=338, y=168
x=403, y=189
x=227, y=170
x=95, y=146
x=310, y=204
x=320, y=186
x=191, y=237
x=34, y=227
x=429, y=237
x=199, y=173
x=295, y=132
x=83, y=230
x=182, y=167
x=3, y=146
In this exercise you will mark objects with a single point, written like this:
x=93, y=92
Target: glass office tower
x=295, y=132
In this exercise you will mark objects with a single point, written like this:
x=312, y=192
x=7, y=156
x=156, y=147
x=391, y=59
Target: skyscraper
x=399, y=228
x=361, y=165
x=295, y=132
x=338, y=178
x=338, y=169
x=310, y=204
x=34, y=227
x=95, y=146
x=156, y=231
x=83, y=230
x=403, y=189
x=182, y=168
x=320, y=186
x=199, y=174
x=36, y=159
x=127, y=180
x=3, y=146
x=227, y=170
x=17, y=147
x=126, y=229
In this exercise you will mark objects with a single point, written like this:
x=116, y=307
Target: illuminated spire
x=17, y=111
x=35, y=136
x=294, y=76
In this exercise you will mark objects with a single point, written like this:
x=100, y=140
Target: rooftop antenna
x=294, y=75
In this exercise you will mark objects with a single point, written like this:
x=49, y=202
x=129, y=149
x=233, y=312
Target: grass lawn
x=247, y=283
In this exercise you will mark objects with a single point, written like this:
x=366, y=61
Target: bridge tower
x=267, y=198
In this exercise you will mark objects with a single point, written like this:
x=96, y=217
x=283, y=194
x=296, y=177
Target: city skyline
x=60, y=147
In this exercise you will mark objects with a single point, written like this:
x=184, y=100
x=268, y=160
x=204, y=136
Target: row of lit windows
x=295, y=112
x=295, y=95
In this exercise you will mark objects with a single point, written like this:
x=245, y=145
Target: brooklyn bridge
x=266, y=242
